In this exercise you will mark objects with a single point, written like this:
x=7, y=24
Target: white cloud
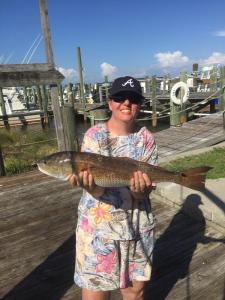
x=220, y=33
x=171, y=59
x=214, y=59
x=70, y=74
x=108, y=70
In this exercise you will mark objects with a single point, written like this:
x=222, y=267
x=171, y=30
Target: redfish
x=116, y=171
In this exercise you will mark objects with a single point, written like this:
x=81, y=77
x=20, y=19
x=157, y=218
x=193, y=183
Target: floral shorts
x=103, y=264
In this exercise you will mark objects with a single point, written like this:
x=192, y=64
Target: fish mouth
x=43, y=170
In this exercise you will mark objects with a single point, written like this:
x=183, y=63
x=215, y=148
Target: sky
x=116, y=37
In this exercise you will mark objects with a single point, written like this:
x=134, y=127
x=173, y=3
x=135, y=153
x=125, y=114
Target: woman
x=114, y=236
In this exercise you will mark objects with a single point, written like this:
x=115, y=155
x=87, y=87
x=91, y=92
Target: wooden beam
x=26, y=67
x=30, y=78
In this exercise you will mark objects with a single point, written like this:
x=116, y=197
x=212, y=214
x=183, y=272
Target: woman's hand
x=140, y=184
x=85, y=180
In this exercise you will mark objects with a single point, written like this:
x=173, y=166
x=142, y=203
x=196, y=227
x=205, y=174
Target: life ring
x=179, y=85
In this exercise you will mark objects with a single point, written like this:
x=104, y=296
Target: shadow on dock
x=51, y=279
x=174, y=250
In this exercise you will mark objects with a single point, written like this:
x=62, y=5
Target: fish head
x=57, y=165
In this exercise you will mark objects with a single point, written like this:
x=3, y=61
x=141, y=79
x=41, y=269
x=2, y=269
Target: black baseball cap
x=126, y=84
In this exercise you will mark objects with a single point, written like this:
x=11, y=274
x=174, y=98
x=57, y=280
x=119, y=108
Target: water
x=49, y=132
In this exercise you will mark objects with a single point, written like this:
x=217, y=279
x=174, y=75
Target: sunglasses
x=132, y=99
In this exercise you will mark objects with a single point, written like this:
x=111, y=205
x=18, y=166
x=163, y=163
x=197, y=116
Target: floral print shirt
x=116, y=214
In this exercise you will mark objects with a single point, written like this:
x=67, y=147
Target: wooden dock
x=202, y=132
x=37, y=222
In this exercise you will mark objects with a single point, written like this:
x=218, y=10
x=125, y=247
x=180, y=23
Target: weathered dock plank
x=195, y=134
x=37, y=222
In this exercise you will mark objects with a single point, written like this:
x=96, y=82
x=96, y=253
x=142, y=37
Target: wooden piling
x=195, y=76
x=222, y=86
x=148, y=86
x=39, y=98
x=2, y=167
x=44, y=105
x=34, y=93
x=213, y=80
x=69, y=126
x=46, y=32
x=58, y=118
x=178, y=115
x=154, y=101
x=106, y=85
x=70, y=94
x=2, y=103
x=174, y=114
x=4, y=114
x=213, y=87
x=60, y=91
x=80, y=71
x=25, y=97
x=183, y=112
x=222, y=96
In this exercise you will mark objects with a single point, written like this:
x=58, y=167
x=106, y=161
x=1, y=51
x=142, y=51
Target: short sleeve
x=91, y=140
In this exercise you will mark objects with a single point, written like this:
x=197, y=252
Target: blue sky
x=117, y=37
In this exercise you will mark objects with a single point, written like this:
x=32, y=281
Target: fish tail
x=194, y=178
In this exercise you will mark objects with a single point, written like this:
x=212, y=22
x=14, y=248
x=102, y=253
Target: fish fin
x=194, y=178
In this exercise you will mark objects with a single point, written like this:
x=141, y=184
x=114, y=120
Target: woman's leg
x=134, y=292
x=92, y=295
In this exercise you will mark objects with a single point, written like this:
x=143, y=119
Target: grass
x=24, y=148
x=214, y=158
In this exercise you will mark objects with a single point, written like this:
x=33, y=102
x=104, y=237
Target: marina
x=38, y=214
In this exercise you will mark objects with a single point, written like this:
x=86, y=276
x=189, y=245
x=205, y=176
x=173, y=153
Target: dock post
x=183, y=112
x=213, y=87
x=222, y=86
x=70, y=94
x=2, y=103
x=39, y=97
x=153, y=96
x=147, y=86
x=4, y=114
x=69, y=125
x=100, y=94
x=80, y=70
x=58, y=118
x=174, y=114
x=106, y=86
x=195, y=76
x=26, y=98
x=34, y=94
x=178, y=114
x=45, y=105
x=213, y=80
x=222, y=97
x=2, y=167
x=60, y=90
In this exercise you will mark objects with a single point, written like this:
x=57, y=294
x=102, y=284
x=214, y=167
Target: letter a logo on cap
x=130, y=82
